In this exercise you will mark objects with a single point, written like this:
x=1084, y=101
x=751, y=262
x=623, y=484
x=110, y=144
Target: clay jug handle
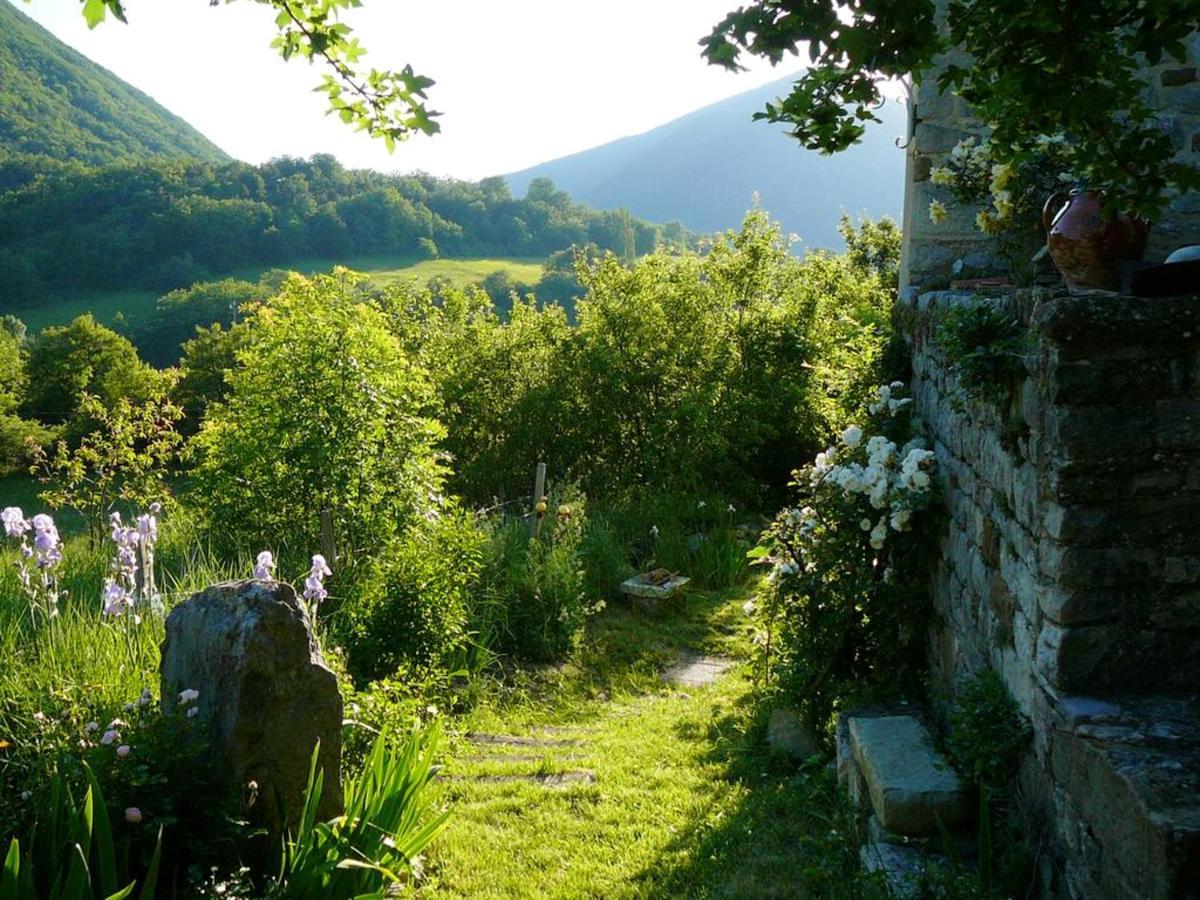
x=1054, y=205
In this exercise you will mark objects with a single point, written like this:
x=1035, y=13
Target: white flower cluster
x=893, y=479
x=885, y=402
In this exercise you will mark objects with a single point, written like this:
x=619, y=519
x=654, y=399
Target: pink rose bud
x=133, y=815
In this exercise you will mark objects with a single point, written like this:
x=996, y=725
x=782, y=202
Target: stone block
x=265, y=694
x=787, y=734
x=911, y=785
x=901, y=866
x=1174, y=77
x=1177, y=422
x=1185, y=98
x=1135, y=795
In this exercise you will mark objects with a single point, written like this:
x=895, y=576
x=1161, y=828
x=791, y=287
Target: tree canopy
x=1033, y=70
x=385, y=103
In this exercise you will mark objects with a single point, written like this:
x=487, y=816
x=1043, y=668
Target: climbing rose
x=187, y=696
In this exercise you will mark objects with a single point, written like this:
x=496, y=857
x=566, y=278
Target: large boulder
x=264, y=693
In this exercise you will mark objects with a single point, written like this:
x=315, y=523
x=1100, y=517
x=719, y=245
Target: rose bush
x=842, y=610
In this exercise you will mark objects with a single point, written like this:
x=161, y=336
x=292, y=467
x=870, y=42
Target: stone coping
x=1097, y=317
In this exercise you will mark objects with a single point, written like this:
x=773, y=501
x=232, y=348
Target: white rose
x=852, y=436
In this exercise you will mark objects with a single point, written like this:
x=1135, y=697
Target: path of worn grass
x=686, y=801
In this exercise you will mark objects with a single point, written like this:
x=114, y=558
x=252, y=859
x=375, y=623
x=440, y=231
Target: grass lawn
x=687, y=801
x=123, y=309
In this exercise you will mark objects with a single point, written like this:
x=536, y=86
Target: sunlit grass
x=687, y=802
x=124, y=309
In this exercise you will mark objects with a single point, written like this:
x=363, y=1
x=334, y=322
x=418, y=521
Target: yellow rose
x=941, y=175
x=1002, y=174
x=937, y=212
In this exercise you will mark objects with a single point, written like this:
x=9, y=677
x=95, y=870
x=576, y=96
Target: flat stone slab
x=635, y=587
x=786, y=733
x=552, y=780
x=911, y=785
x=518, y=757
x=512, y=740
x=901, y=866
x=690, y=670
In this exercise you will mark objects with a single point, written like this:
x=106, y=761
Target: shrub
x=845, y=603
x=988, y=733
x=325, y=411
x=68, y=362
x=538, y=606
x=72, y=853
x=684, y=373
x=414, y=608
x=986, y=347
x=162, y=766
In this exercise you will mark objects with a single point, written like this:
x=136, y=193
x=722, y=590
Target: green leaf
x=94, y=12
x=102, y=830
x=10, y=875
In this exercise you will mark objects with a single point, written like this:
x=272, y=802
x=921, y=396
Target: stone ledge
x=912, y=788
x=1129, y=768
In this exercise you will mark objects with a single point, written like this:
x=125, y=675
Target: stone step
x=692, y=670
x=512, y=740
x=911, y=786
x=901, y=866
x=1129, y=772
x=496, y=758
x=546, y=779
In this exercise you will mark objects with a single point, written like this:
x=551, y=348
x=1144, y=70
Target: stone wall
x=1071, y=565
x=934, y=254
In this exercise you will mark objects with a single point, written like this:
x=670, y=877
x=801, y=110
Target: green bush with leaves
x=325, y=411
x=683, y=373
x=986, y=347
x=72, y=854
x=126, y=458
x=988, y=732
x=537, y=606
x=68, y=363
x=414, y=609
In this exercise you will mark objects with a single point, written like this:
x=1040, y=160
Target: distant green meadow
x=122, y=310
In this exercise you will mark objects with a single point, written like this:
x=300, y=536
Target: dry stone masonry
x=1071, y=566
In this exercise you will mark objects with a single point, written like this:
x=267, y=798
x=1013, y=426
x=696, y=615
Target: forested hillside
x=57, y=103
x=166, y=224
x=704, y=168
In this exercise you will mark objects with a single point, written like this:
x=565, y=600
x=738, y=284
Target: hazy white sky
x=519, y=82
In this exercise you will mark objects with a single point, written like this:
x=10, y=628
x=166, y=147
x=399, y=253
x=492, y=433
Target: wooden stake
x=539, y=491
x=328, y=547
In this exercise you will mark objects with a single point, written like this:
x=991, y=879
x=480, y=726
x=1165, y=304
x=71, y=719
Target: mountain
x=705, y=167
x=56, y=102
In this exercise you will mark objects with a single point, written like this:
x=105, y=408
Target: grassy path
x=646, y=790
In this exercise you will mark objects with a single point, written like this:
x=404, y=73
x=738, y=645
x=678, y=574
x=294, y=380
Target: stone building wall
x=1071, y=565
x=934, y=254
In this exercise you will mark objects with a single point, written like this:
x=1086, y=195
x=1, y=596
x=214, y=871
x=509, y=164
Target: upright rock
x=265, y=693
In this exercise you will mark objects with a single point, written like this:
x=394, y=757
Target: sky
x=518, y=82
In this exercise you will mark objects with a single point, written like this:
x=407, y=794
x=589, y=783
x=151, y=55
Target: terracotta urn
x=1087, y=243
